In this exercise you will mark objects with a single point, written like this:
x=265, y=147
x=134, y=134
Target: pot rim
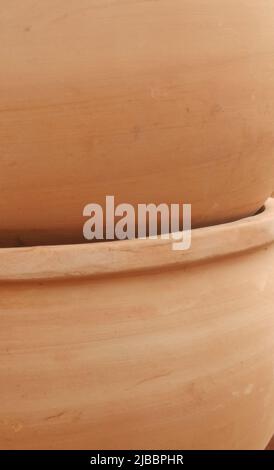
x=117, y=257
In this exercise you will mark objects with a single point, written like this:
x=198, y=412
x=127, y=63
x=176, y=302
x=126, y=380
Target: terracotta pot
x=129, y=345
x=150, y=102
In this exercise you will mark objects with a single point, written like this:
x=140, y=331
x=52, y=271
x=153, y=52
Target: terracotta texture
x=167, y=101
x=131, y=345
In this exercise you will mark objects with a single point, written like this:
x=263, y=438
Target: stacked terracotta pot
x=129, y=344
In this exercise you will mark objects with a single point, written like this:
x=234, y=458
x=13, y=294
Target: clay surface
x=167, y=101
x=163, y=353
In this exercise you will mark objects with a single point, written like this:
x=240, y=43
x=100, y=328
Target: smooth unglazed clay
x=169, y=101
x=127, y=345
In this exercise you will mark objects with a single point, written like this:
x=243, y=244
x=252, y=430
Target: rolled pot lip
x=116, y=257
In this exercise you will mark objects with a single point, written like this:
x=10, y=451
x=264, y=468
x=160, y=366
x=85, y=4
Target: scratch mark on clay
x=155, y=377
x=57, y=415
x=247, y=391
x=17, y=427
x=14, y=426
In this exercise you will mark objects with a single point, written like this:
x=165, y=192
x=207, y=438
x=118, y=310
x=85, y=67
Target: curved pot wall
x=167, y=101
x=132, y=345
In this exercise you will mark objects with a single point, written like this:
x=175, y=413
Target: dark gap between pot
x=29, y=239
